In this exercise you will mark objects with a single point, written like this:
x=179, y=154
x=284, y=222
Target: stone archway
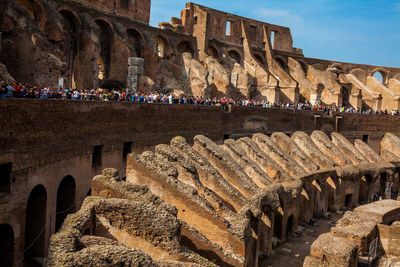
x=65, y=200
x=70, y=46
x=35, y=226
x=235, y=56
x=6, y=245
x=135, y=41
x=185, y=47
x=106, y=40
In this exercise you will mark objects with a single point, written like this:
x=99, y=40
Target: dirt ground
x=296, y=248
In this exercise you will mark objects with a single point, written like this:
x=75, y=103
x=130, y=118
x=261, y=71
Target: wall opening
x=70, y=45
x=106, y=39
x=162, y=46
x=278, y=220
x=235, y=56
x=348, y=201
x=35, y=226
x=379, y=76
x=126, y=150
x=272, y=40
x=195, y=20
x=226, y=137
x=365, y=138
x=135, y=43
x=185, y=47
x=228, y=29
x=289, y=226
x=5, y=179
x=6, y=245
x=212, y=51
x=259, y=59
x=65, y=200
x=97, y=157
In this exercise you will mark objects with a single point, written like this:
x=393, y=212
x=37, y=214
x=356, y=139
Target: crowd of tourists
x=127, y=95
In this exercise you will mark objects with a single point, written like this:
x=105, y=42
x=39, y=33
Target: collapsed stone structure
x=205, y=52
x=206, y=204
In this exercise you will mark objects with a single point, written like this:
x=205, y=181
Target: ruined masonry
x=223, y=205
x=204, y=53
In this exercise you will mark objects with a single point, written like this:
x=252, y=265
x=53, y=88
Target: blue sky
x=359, y=31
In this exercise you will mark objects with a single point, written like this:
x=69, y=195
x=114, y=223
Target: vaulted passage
x=135, y=43
x=35, y=226
x=6, y=245
x=106, y=38
x=65, y=200
x=70, y=46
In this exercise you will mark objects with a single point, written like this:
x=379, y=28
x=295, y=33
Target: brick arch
x=361, y=74
x=337, y=66
x=383, y=72
x=282, y=61
x=35, y=10
x=259, y=57
x=235, y=52
x=135, y=36
x=35, y=225
x=72, y=12
x=166, y=49
x=107, y=22
x=213, y=51
x=185, y=46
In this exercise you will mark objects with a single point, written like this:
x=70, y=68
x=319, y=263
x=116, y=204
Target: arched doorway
x=185, y=47
x=135, y=43
x=106, y=40
x=212, y=51
x=6, y=245
x=364, y=192
x=65, y=200
x=70, y=45
x=162, y=46
x=35, y=226
x=235, y=56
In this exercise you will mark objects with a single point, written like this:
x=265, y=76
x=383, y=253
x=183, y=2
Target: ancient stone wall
x=205, y=53
x=227, y=203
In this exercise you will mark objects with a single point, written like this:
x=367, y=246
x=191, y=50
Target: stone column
x=388, y=190
x=135, y=70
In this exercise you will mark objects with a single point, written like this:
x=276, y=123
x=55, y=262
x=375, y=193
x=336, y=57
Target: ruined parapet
x=347, y=148
x=229, y=169
x=208, y=175
x=259, y=177
x=367, y=151
x=329, y=250
x=312, y=151
x=278, y=155
x=290, y=147
x=391, y=143
x=326, y=146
